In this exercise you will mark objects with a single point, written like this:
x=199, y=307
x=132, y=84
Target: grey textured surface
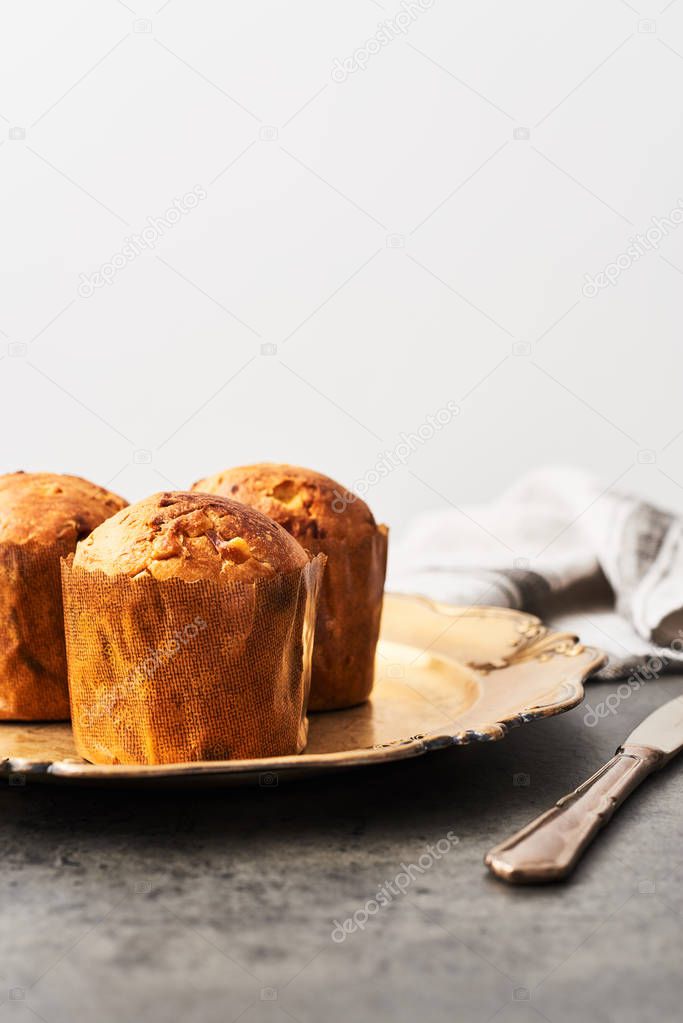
x=219, y=904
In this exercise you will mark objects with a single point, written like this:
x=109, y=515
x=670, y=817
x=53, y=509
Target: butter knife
x=550, y=846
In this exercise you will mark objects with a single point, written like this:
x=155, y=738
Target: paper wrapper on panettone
x=32, y=652
x=349, y=616
x=165, y=671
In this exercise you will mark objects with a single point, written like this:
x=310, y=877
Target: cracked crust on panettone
x=190, y=536
x=45, y=507
x=307, y=504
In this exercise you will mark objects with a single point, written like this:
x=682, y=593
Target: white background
x=388, y=233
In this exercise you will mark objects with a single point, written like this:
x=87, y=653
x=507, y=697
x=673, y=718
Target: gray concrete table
x=220, y=904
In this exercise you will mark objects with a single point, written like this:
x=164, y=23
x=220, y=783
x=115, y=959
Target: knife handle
x=550, y=846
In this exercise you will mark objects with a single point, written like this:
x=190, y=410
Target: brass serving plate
x=445, y=676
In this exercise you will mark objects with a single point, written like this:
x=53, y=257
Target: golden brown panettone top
x=45, y=507
x=190, y=536
x=307, y=504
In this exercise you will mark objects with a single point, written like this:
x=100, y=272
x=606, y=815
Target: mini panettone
x=189, y=625
x=42, y=517
x=325, y=518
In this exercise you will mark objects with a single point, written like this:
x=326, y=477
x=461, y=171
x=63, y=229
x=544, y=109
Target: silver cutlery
x=550, y=846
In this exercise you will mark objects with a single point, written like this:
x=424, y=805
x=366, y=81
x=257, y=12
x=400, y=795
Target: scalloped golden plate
x=445, y=676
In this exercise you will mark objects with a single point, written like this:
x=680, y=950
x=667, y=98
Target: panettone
x=42, y=517
x=189, y=622
x=325, y=518
x=190, y=536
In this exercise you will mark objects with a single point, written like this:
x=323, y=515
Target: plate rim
x=542, y=640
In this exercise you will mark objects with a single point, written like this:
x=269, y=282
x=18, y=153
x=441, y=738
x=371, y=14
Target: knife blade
x=550, y=846
x=661, y=730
